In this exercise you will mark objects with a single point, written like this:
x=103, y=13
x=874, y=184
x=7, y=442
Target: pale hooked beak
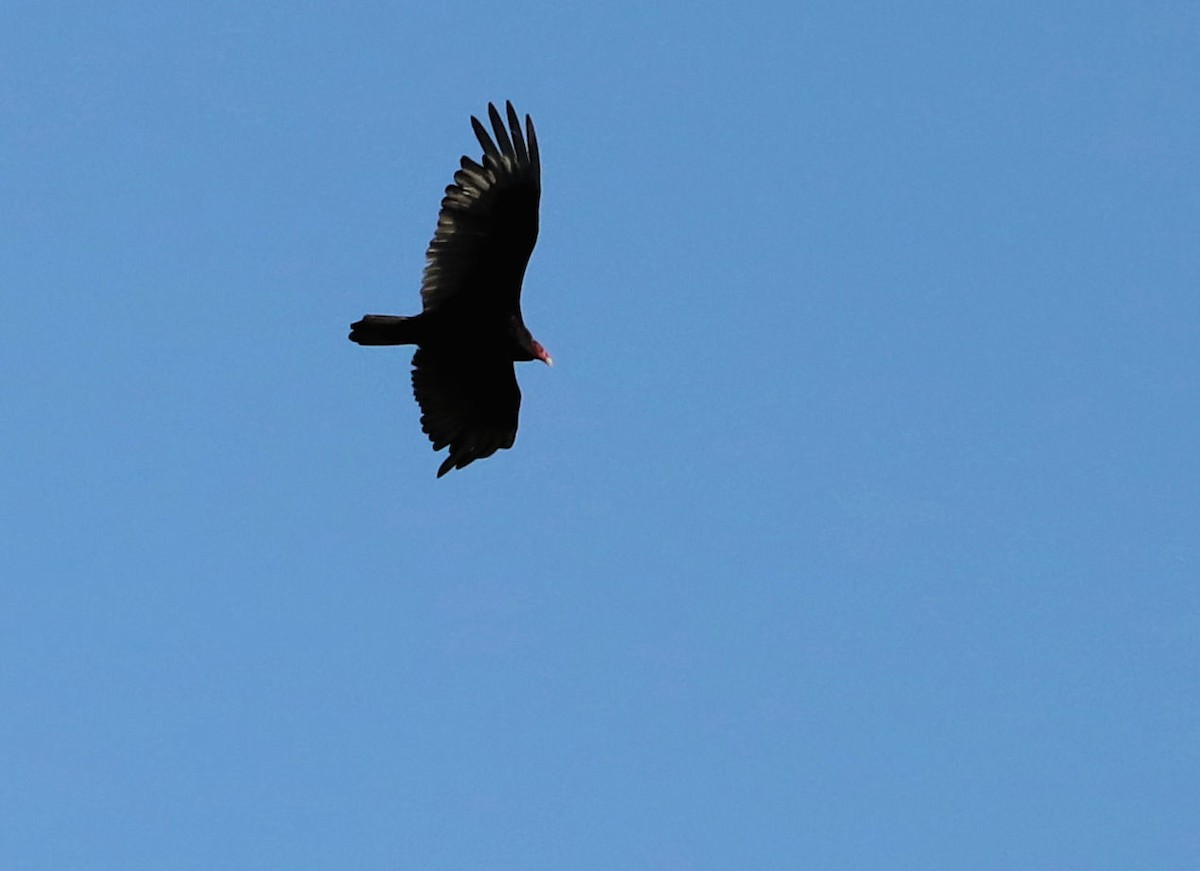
x=542, y=354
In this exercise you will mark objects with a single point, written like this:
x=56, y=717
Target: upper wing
x=488, y=223
x=469, y=404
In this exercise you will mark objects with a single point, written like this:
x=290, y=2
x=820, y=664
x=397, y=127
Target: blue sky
x=855, y=527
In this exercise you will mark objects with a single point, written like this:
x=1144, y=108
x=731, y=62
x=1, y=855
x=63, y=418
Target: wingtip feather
x=502, y=139
x=489, y=147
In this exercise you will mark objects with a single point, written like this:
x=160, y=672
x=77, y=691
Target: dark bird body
x=470, y=331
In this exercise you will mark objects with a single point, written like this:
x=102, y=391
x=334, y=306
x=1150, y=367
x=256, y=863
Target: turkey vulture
x=470, y=331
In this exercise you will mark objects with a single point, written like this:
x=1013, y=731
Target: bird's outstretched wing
x=469, y=404
x=488, y=223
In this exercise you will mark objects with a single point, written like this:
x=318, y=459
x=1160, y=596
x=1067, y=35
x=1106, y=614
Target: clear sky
x=857, y=526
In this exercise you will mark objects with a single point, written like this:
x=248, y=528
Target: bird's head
x=526, y=346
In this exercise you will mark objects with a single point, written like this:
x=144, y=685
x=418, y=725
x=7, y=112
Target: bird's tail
x=386, y=330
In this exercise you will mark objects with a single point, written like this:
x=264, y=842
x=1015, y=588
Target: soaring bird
x=470, y=331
